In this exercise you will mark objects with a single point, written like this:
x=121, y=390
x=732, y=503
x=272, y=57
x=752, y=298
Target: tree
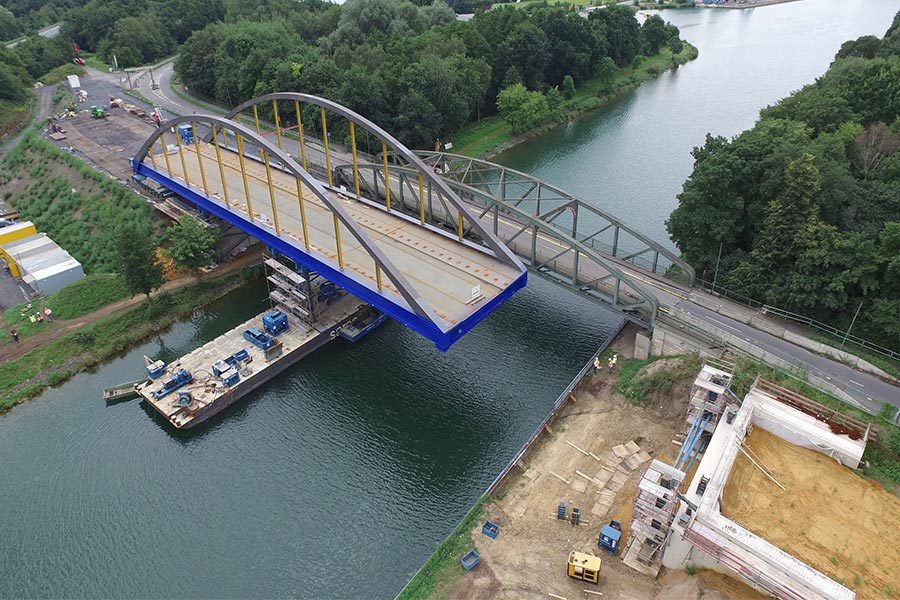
x=193, y=245
x=865, y=47
x=137, y=260
x=653, y=34
x=792, y=217
x=622, y=32
x=675, y=46
x=568, y=89
x=520, y=108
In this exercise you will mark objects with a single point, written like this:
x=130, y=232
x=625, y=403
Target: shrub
x=57, y=377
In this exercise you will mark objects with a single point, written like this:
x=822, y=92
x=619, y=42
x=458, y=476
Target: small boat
x=123, y=391
x=367, y=320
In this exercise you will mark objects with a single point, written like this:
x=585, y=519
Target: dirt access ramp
x=528, y=558
x=836, y=522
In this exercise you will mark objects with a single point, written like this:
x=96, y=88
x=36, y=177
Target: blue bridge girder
x=409, y=295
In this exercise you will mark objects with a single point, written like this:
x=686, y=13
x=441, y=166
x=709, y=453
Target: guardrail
x=784, y=314
x=768, y=309
x=726, y=293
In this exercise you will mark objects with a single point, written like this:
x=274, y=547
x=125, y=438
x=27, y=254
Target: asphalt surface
x=49, y=32
x=868, y=391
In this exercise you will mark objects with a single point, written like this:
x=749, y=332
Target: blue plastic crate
x=492, y=530
x=470, y=559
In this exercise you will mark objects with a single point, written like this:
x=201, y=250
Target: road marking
x=856, y=383
x=725, y=325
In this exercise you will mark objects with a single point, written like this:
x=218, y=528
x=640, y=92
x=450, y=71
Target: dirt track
x=59, y=328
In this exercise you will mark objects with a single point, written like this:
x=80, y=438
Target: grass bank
x=444, y=565
x=14, y=117
x=74, y=300
x=56, y=361
x=491, y=135
x=641, y=387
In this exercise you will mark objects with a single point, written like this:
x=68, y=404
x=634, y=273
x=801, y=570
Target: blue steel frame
x=442, y=339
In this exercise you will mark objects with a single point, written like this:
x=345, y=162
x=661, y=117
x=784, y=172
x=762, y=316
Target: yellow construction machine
x=584, y=567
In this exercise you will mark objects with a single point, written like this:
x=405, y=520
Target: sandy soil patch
x=828, y=517
x=528, y=558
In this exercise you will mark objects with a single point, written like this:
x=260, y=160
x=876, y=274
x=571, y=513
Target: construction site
x=696, y=494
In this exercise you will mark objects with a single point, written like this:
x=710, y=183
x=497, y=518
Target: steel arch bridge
x=440, y=284
x=543, y=245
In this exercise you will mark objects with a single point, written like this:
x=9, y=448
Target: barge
x=204, y=382
x=367, y=319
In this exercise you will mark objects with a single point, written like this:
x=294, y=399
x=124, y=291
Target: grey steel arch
x=645, y=301
x=407, y=291
x=487, y=237
x=497, y=180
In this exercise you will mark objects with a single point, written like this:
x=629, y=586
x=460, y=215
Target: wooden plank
x=585, y=452
x=561, y=478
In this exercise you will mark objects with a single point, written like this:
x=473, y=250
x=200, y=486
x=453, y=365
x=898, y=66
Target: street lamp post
x=846, y=335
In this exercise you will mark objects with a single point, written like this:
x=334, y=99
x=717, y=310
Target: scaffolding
x=710, y=396
x=289, y=290
x=710, y=393
x=655, y=503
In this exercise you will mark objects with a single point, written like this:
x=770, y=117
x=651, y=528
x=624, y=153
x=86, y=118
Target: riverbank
x=492, y=135
x=67, y=347
x=744, y=3
x=643, y=402
x=528, y=556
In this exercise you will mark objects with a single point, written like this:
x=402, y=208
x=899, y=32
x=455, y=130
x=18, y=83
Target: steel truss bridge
x=437, y=241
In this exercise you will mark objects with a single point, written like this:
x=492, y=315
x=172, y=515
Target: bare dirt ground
x=528, y=558
x=828, y=517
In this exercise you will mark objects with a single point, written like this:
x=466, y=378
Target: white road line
x=856, y=383
x=723, y=324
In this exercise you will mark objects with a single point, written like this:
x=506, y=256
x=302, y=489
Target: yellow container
x=14, y=233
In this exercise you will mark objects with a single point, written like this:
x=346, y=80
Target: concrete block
x=642, y=345
x=768, y=326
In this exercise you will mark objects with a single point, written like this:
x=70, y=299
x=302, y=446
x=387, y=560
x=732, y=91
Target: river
x=339, y=478
x=632, y=156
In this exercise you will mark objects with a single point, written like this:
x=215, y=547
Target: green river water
x=340, y=477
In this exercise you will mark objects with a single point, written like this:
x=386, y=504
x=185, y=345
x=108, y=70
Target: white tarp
x=73, y=81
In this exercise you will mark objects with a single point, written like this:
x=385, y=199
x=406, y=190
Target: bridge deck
x=442, y=270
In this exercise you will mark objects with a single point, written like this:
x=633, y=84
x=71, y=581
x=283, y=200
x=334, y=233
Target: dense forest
x=805, y=206
x=414, y=69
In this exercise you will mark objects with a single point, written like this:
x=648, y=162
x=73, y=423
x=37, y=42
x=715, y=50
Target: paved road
x=49, y=32
x=866, y=390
